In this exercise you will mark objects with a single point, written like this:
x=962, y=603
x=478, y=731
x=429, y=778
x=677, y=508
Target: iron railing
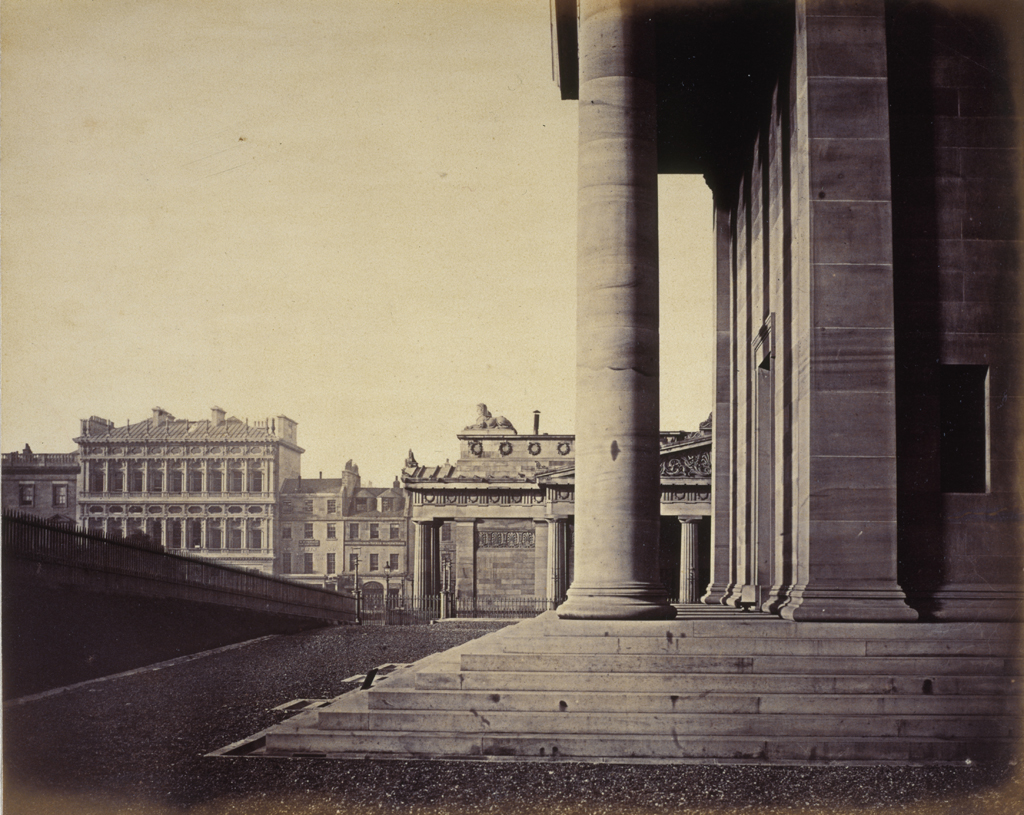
x=399, y=610
x=28, y=538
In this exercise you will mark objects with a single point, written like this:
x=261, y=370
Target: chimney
x=216, y=416
x=536, y=423
x=321, y=475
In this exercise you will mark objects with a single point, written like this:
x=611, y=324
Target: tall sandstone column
x=617, y=413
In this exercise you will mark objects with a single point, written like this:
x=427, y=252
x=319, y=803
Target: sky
x=360, y=214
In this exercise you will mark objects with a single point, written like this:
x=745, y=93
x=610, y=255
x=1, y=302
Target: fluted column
x=617, y=416
x=419, y=559
x=688, y=559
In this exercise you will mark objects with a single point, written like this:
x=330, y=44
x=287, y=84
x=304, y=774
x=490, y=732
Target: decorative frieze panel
x=489, y=498
x=505, y=540
x=686, y=495
x=697, y=465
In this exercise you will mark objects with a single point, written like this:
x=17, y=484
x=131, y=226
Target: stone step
x=762, y=725
x=774, y=703
x=724, y=749
x=747, y=626
x=767, y=664
x=560, y=681
x=747, y=646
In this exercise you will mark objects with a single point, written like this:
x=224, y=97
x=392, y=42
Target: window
x=332, y=532
x=963, y=445
x=374, y=531
x=395, y=532
x=353, y=532
x=286, y=562
x=374, y=562
x=255, y=481
x=235, y=481
x=27, y=495
x=386, y=504
x=156, y=481
x=308, y=506
x=216, y=481
x=330, y=563
x=286, y=532
x=176, y=481
x=307, y=532
x=393, y=562
x=60, y=495
x=332, y=505
x=255, y=536
x=235, y=535
x=446, y=532
x=135, y=480
x=117, y=480
x=307, y=563
x=95, y=477
x=286, y=506
x=213, y=535
x=195, y=481
x=353, y=562
x=361, y=505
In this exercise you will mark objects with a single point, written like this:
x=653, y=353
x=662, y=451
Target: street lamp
x=387, y=590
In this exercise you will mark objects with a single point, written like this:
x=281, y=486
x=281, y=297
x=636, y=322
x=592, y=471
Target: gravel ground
x=136, y=744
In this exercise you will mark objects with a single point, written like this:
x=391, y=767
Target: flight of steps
x=712, y=685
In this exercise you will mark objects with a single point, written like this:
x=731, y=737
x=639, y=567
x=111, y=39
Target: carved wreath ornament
x=505, y=448
x=476, y=448
x=533, y=448
x=563, y=448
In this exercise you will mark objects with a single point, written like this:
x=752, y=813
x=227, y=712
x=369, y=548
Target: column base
x=774, y=600
x=838, y=604
x=714, y=594
x=965, y=602
x=638, y=602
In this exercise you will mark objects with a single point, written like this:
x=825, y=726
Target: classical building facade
x=41, y=484
x=210, y=486
x=501, y=520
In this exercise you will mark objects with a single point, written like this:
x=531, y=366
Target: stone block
x=843, y=551
x=853, y=359
x=849, y=108
x=851, y=46
x=860, y=505
x=851, y=232
x=845, y=169
x=853, y=424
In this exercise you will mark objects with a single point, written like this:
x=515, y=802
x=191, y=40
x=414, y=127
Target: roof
x=312, y=485
x=232, y=429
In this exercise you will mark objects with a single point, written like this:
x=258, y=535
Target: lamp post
x=387, y=590
x=355, y=555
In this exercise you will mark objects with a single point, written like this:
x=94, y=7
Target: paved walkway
x=137, y=744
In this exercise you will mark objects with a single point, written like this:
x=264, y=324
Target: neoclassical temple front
x=500, y=521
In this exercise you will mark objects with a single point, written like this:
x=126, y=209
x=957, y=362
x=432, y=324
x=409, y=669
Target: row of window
x=394, y=531
x=27, y=495
x=187, y=534
x=302, y=563
x=177, y=481
x=361, y=505
x=354, y=561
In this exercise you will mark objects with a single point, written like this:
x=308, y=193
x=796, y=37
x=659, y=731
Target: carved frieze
x=505, y=540
x=686, y=495
x=697, y=465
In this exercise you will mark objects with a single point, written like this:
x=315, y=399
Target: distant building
x=377, y=540
x=210, y=487
x=310, y=547
x=501, y=520
x=41, y=484
x=333, y=528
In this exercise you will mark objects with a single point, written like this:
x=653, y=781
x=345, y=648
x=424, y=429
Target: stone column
x=617, y=413
x=540, y=557
x=420, y=560
x=688, y=558
x=465, y=557
x=721, y=479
